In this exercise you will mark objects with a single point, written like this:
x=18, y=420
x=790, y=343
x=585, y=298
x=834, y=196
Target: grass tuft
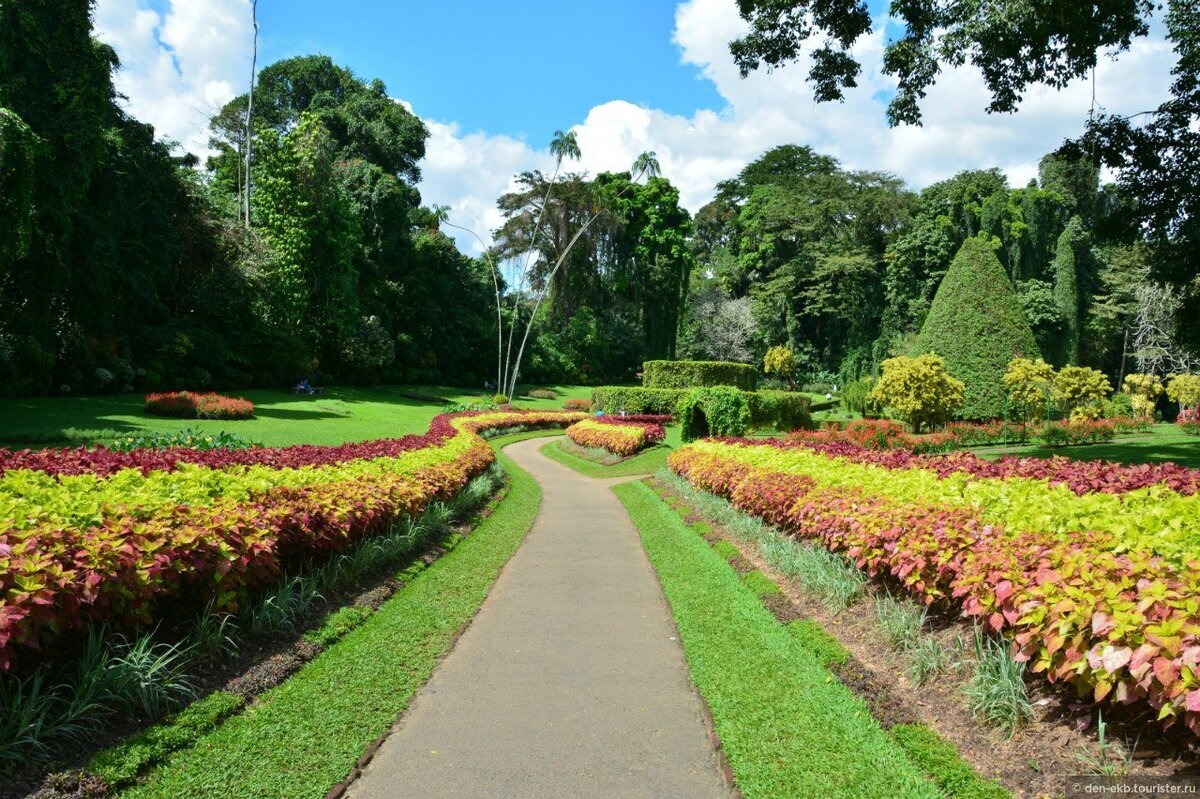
x=997, y=692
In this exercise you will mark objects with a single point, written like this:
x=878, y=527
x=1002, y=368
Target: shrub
x=1189, y=421
x=1083, y=390
x=785, y=410
x=611, y=399
x=698, y=374
x=715, y=411
x=1030, y=386
x=919, y=389
x=1119, y=404
x=188, y=405
x=976, y=324
x=543, y=393
x=578, y=405
x=1131, y=424
x=500, y=399
x=1142, y=390
x=1184, y=389
x=1077, y=431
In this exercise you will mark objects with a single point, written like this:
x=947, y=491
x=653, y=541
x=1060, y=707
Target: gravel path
x=569, y=682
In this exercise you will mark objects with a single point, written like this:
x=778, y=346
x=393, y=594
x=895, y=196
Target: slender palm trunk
x=250, y=106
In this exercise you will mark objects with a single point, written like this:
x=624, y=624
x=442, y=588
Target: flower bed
x=112, y=546
x=623, y=436
x=1119, y=624
x=1189, y=421
x=188, y=405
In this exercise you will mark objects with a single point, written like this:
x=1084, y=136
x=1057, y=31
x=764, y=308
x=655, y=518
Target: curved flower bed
x=197, y=533
x=1119, y=625
x=623, y=436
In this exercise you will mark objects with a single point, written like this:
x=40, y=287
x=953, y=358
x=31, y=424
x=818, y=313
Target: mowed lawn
x=1163, y=443
x=336, y=416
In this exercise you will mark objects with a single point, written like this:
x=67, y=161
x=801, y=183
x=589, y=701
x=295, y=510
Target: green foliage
x=784, y=410
x=760, y=584
x=780, y=361
x=614, y=399
x=1072, y=242
x=820, y=644
x=976, y=324
x=856, y=398
x=919, y=390
x=713, y=411
x=698, y=374
x=996, y=691
x=1142, y=391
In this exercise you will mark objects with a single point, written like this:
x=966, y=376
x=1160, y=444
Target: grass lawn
x=336, y=416
x=1164, y=443
x=303, y=737
x=788, y=727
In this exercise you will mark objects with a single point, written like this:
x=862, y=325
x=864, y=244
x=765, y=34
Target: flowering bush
x=111, y=547
x=1132, y=424
x=1120, y=624
x=578, y=405
x=188, y=405
x=621, y=436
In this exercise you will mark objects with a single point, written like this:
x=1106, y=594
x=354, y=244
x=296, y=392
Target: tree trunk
x=250, y=105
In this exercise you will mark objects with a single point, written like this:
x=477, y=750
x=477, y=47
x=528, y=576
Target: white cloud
x=182, y=65
x=179, y=67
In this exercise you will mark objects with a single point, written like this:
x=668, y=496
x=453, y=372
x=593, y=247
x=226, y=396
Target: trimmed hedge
x=976, y=324
x=698, y=374
x=785, y=409
x=713, y=411
x=612, y=399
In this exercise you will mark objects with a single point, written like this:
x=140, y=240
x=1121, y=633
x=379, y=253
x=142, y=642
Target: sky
x=494, y=80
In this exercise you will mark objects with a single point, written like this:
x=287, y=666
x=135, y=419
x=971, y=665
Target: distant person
x=622, y=413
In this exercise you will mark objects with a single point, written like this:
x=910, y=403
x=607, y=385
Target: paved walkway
x=569, y=682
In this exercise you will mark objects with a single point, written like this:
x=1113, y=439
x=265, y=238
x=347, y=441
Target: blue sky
x=518, y=68
x=494, y=80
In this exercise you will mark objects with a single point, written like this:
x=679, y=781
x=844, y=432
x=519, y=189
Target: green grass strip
x=787, y=726
x=760, y=584
x=304, y=736
x=823, y=646
x=941, y=761
x=647, y=462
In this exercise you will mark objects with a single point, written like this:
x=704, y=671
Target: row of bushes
x=785, y=410
x=886, y=434
x=1084, y=608
x=84, y=550
x=698, y=374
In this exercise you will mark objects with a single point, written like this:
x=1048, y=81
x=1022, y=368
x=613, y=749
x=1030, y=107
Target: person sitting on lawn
x=305, y=388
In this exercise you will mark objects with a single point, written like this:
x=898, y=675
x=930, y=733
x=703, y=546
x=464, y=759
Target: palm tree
x=645, y=164
x=441, y=215
x=563, y=145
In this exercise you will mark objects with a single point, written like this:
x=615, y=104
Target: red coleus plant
x=190, y=405
x=619, y=435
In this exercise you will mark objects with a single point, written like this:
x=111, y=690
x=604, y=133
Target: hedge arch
x=713, y=411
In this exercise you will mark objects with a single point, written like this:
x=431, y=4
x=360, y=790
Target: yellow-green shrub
x=919, y=390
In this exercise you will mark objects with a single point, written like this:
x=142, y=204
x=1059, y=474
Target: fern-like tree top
x=976, y=324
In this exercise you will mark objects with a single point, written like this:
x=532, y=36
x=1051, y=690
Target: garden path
x=570, y=681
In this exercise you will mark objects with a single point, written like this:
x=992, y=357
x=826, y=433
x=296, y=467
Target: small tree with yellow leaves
x=1184, y=389
x=781, y=361
x=1030, y=385
x=919, y=390
x=1082, y=389
x=1142, y=389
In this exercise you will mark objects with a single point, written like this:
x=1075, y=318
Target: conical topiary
x=976, y=324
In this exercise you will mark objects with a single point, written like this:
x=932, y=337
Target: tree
x=1015, y=45
x=250, y=108
x=1142, y=391
x=1072, y=243
x=1030, y=386
x=976, y=324
x=1184, y=389
x=1082, y=390
x=919, y=390
x=781, y=361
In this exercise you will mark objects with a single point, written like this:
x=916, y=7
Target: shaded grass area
x=646, y=462
x=1165, y=442
x=786, y=725
x=306, y=735
x=336, y=416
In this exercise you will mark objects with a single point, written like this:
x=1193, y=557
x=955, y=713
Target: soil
x=1036, y=762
